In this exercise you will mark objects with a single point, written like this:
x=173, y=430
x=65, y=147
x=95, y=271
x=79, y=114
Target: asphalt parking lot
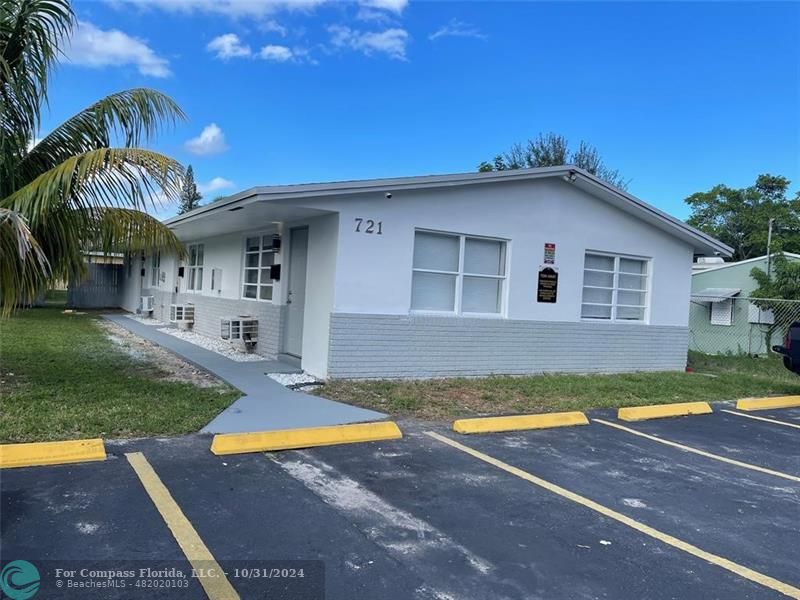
x=702, y=506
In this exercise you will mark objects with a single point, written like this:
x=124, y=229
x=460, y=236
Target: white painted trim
x=460, y=274
x=616, y=273
x=244, y=268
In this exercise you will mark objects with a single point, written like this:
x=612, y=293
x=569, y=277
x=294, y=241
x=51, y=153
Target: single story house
x=722, y=319
x=514, y=272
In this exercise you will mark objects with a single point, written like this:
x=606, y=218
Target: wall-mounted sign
x=549, y=253
x=547, y=289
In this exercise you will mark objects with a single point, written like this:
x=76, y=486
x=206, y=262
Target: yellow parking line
x=719, y=561
x=724, y=459
x=738, y=414
x=212, y=576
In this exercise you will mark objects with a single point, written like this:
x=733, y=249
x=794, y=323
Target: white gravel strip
x=288, y=379
x=146, y=320
x=219, y=346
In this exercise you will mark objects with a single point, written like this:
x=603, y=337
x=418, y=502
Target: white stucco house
x=516, y=272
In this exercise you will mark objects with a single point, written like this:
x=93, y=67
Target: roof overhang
x=713, y=295
x=248, y=215
x=789, y=255
x=293, y=194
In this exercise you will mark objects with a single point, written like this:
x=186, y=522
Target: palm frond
x=132, y=117
x=30, y=34
x=23, y=266
x=68, y=207
x=106, y=177
x=126, y=230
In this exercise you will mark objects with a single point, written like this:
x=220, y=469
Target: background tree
x=190, y=197
x=782, y=283
x=72, y=191
x=740, y=217
x=552, y=150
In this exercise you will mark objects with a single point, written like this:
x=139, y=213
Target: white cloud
x=230, y=8
x=395, y=6
x=456, y=28
x=98, y=48
x=259, y=9
x=210, y=141
x=215, y=185
x=365, y=13
x=228, y=46
x=272, y=26
x=391, y=41
x=276, y=53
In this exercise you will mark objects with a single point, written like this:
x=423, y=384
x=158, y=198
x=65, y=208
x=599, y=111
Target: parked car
x=791, y=348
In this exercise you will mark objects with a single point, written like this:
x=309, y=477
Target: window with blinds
x=458, y=274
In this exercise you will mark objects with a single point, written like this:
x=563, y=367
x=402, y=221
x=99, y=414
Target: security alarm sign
x=549, y=253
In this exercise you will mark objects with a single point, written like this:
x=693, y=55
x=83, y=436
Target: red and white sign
x=549, y=253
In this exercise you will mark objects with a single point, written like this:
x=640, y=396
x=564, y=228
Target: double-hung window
x=195, y=281
x=458, y=274
x=614, y=287
x=258, y=258
x=155, y=265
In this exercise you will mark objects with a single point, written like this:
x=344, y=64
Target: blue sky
x=678, y=96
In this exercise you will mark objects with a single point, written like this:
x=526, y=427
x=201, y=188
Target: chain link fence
x=739, y=325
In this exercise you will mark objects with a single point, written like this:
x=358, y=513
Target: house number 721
x=369, y=226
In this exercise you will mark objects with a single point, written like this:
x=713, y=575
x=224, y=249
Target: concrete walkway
x=266, y=405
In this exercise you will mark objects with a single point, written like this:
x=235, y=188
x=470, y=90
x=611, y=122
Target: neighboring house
x=528, y=271
x=99, y=287
x=722, y=319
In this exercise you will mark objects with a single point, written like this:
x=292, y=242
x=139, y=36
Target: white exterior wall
x=374, y=271
x=130, y=296
x=323, y=234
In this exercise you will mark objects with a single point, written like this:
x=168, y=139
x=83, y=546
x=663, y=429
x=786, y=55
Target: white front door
x=296, y=283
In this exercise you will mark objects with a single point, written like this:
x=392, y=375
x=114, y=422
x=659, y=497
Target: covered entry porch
x=269, y=262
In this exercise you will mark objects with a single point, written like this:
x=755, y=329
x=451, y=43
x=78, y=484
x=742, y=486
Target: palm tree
x=72, y=191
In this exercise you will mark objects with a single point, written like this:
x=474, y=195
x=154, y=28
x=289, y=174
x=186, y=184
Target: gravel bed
x=219, y=346
x=294, y=380
x=165, y=365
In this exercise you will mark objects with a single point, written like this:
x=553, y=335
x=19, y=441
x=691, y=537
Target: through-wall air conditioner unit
x=147, y=304
x=181, y=313
x=242, y=328
x=760, y=316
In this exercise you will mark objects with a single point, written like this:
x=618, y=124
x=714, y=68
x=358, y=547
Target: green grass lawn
x=715, y=378
x=61, y=377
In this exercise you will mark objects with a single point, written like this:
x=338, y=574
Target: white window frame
x=721, y=314
x=261, y=251
x=155, y=269
x=460, y=274
x=191, y=270
x=615, y=289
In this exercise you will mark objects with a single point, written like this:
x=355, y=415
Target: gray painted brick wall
x=392, y=346
x=209, y=311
